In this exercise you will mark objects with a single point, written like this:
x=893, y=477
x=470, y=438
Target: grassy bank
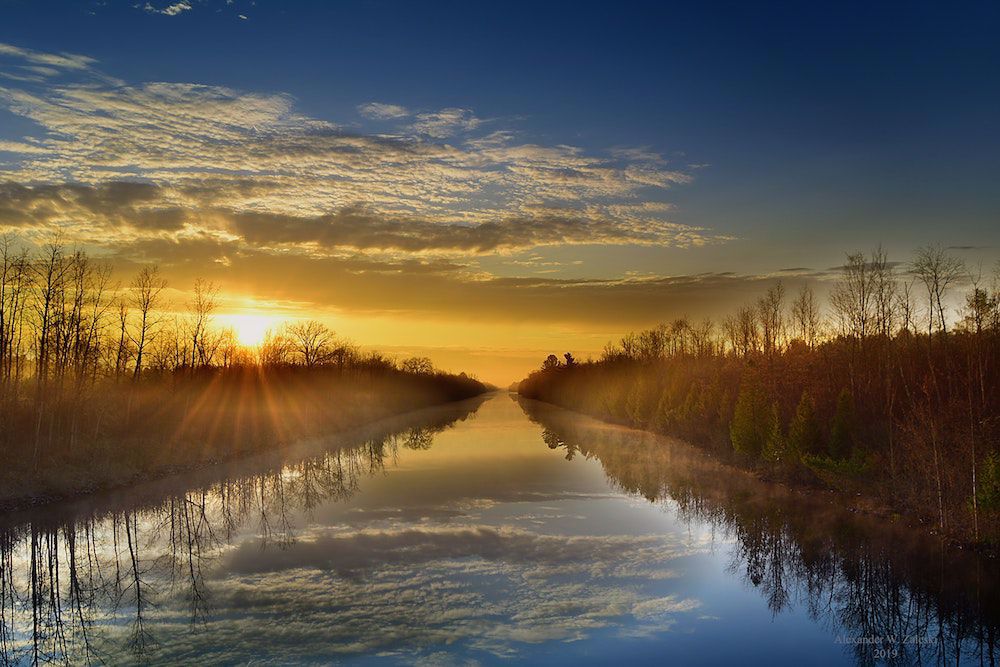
x=63, y=442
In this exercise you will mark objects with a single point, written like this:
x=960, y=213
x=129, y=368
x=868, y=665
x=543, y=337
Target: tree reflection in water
x=887, y=592
x=112, y=579
x=78, y=588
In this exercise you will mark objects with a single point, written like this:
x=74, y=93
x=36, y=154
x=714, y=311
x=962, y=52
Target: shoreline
x=84, y=490
x=857, y=503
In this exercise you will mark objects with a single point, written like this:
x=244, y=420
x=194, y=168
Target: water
x=486, y=532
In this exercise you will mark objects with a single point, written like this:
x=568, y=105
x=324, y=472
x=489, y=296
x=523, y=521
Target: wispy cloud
x=169, y=10
x=195, y=175
x=251, y=164
x=380, y=111
x=445, y=123
x=64, y=61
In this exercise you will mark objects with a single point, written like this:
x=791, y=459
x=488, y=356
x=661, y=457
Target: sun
x=250, y=329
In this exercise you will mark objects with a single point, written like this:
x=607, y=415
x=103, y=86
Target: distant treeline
x=98, y=384
x=884, y=393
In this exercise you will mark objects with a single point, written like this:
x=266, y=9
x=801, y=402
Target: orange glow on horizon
x=250, y=328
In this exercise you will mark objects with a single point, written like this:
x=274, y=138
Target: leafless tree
x=418, y=365
x=15, y=288
x=853, y=298
x=50, y=273
x=885, y=287
x=747, y=331
x=938, y=271
x=770, y=314
x=146, y=289
x=200, y=312
x=312, y=341
x=805, y=315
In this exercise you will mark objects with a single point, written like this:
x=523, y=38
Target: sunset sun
x=250, y=328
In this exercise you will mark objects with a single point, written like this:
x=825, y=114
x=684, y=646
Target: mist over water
x=484, y=531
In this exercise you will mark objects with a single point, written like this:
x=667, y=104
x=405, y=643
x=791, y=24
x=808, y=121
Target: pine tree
x=748, y=428
x=640, y=403
x=664, y=420
x=803, y=433
x=774, y=446
x=842, y=427
x=692, y=412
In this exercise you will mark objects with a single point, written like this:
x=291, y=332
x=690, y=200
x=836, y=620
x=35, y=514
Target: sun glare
x=250, y=329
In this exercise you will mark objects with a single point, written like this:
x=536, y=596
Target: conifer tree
x=803, y=433
x=748, y=429
x=842, y=427
x=774, y=446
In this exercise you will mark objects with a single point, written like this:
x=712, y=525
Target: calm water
x=491, y=532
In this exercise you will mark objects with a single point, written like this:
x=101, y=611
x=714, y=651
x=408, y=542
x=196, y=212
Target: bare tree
x=146, y=288
x=420, y=365
x=312, y=340
x=276, y=350
x=122, y=348
x=770, y=314
x=884, y=286
x=747, y=331
x=938, y=271
x=50, y=273
x=201, y=309
x=853, y=298
x=703, y=338
x=15, y=288
x=805, y=315
x=904, y=305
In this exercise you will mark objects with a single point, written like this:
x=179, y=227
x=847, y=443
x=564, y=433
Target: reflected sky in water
x=514, y=531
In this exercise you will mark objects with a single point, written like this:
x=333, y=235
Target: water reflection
x=888, y=594
x=81, y=587
x=445, y=539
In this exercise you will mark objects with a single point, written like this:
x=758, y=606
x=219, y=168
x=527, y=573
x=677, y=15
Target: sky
x=486, y=183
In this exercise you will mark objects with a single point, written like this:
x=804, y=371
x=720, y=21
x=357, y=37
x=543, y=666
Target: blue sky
x=770, y=135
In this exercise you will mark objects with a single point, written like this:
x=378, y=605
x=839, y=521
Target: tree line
x=888, y=387
x=96, y=371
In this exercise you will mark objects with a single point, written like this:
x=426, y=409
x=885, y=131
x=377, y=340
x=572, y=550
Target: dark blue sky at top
x=866, y=116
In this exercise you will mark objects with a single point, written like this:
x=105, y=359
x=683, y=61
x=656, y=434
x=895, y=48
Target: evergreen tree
x=692, y=412
x=774, y=446
x=664, y=420
x=640, y=403
x=842, y=427
x=748, y=429
x=803, y=433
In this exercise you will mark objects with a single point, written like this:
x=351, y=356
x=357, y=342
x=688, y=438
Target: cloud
x=22, y=148
x=237, y=185
x=28, y=67
x=185, y=134
x=360, y=229
x=445, y=123
x=446, y=289
x=251, y=164
x=106, y=207
x=59, y=61
x=406, y=592
x=169, y=10
x=350, y=553
x=101, y=208
x=380, y=111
